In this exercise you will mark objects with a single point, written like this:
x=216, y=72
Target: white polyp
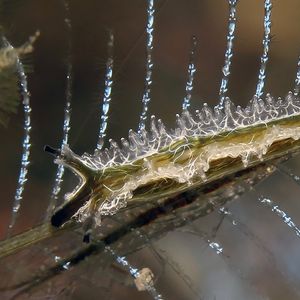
x=107, y=92
x=135, y=273
x=284, y=216
x=67, y=118
x=25, y=161
x=228, y=53
x=149, y=65
x=297, y=80
x=145, y=279
x=215, y=246
x=265, y=56
x=191, y=73
x=225, y=211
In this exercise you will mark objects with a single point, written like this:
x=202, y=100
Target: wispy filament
x=297, y=80
x=107, y=92
x=25, y=161
x=266, y=45
x=67, y=116
x=229, y=52
x=286, y=219
x=191, y=72
x=149, y=65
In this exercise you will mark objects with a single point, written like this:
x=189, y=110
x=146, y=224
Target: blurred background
x=259, y=262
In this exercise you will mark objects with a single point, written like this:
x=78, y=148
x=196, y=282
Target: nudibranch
x=161, y=164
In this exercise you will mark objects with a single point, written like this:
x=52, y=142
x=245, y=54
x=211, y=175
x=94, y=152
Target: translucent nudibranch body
x=160, y=164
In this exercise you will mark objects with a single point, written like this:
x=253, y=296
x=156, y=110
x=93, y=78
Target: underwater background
x=260, y=257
